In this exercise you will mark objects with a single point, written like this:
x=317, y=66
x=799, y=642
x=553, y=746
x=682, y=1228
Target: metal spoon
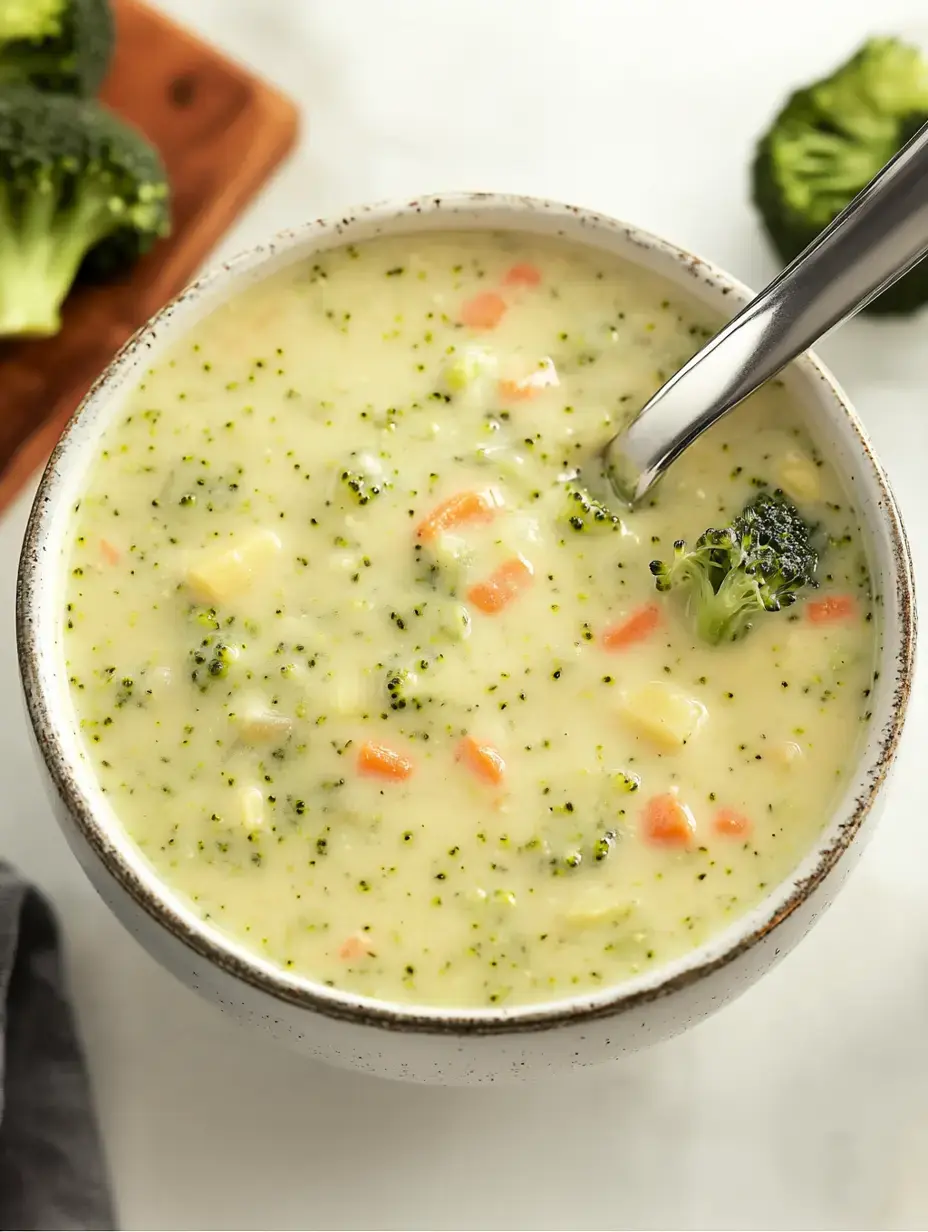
x=871, y=243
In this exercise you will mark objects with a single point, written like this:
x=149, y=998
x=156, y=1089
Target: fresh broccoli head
x=828, y=143
x=60, y=45
x=757, y=564
x=79, y=190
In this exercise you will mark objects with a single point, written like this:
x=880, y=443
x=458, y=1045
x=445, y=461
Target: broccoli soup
x=384, y=692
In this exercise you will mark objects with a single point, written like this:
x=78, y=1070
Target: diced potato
x=798, y=476
x=351, y=694
x=663, y=714
x=450, y=551
x=251, y=804
x=260, y=725
x=221, y=575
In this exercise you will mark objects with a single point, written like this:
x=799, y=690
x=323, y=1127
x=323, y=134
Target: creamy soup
x=377, y=688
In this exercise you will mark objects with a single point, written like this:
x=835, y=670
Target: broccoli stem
x=42, y=250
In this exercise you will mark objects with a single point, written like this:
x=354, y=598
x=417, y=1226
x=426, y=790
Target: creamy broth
x=370, y=688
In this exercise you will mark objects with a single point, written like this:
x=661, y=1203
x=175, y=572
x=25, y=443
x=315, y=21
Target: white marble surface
x=804, y=1105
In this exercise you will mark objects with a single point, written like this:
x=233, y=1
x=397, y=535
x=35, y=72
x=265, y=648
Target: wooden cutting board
x=221, y=132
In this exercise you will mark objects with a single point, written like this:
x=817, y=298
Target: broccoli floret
x=210, y=661
x=759, y=563
x=79, y=190
x=586, y=514
x=830, y=140
x=597, y=850
x=361, y=488
x=405, y=690
x=361, y=480
x=60, y=45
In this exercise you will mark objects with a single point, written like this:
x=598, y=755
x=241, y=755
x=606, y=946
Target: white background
x=804, y=1105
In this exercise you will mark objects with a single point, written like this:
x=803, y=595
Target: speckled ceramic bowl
x=437, y=1045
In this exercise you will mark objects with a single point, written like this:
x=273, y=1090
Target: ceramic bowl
x=442, y=1045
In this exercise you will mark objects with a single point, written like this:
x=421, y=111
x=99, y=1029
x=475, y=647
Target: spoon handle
x=871, y=243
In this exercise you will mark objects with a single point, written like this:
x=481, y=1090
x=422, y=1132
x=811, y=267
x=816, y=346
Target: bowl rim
x=156, y=898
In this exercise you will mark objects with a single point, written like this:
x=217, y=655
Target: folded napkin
x=52, y=1174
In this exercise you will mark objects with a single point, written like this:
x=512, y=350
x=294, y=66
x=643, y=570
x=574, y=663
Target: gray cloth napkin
x=52, y=1174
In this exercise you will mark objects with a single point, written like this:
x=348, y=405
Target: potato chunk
x=261, y=725
x=663, y=714
x=798, y=477
x=221, y=575
x=251, y=803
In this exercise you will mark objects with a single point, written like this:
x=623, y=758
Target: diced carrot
x=544, y=377
x=831, y=609
x=484, y=311
x=457, y=509
x=502, y=586
x=632, y=629
x=731, y=824
x=667, y=822
x=518, y=391
x=522, y=275
x=482, y=759
x=110, y=554
x=380, y=761
x=355, y=946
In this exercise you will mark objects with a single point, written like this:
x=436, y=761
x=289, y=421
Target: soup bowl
x=423, y=1043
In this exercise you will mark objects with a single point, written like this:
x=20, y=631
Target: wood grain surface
x=221, y=132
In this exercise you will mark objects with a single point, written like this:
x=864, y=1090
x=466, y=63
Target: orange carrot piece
x=484, y=311
x=667, y=822
x=632, y=629
x=382, y=762
x=522, y=275
x=518, y=391
x=502, y=586
x=355, y=946
x=462, y=507
x=544, y=377
x=730, y=823
x=831, y=609
x=482, y=759
x=110, y=554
